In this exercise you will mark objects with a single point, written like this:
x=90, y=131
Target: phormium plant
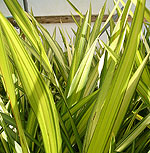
x=90, y=97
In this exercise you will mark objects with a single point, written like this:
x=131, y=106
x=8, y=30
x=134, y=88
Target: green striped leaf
x=40, y=97
x=112, y=102
x=7, y=76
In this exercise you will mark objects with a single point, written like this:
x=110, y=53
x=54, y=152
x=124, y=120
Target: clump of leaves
x=91, y=96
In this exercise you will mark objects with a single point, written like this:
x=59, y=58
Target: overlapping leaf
x=40, y=97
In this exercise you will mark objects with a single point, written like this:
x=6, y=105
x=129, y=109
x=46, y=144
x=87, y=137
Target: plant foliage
x=91, y=96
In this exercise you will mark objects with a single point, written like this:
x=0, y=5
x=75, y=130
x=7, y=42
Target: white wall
x=61, y=7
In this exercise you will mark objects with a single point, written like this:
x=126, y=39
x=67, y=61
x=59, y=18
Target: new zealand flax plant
x=90, y=97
